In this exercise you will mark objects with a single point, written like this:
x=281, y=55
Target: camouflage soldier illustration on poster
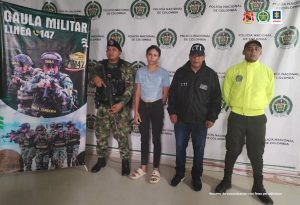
x=59, y=146
x=26, y=142
x=53, y=90
x=42, y=143
x=22, y=73
x=72, y=143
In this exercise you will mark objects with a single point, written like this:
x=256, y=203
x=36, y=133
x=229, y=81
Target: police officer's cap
x=197, y=49
x=113, y=43
x=251, y=42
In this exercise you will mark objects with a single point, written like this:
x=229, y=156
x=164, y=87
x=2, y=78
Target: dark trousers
x=245, y=129
x=198, y=133
x=151, y=113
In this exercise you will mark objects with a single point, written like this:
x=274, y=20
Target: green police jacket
x=248, y=88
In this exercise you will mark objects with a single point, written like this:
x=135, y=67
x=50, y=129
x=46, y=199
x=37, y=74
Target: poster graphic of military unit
x=43, y=94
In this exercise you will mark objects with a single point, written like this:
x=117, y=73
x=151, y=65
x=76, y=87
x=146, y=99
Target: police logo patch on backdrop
x=194, y=8
x=140, y=9
x=287, y=37
x=223, y=38
x=166, y=38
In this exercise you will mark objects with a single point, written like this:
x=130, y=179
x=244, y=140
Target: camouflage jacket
x=127, y=75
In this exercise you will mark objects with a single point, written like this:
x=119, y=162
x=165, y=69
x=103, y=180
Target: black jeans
x=245, y=129
x=151, y=113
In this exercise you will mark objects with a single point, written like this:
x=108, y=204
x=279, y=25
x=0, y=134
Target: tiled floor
x=76, y=186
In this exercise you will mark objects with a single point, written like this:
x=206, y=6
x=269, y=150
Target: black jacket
x=195, y=97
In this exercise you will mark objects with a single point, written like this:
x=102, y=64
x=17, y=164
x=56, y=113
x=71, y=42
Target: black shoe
x=262, y=195
x=176, y=180
x=197, y=184
x=125, y=167
x=100, y=163
x=223, y=186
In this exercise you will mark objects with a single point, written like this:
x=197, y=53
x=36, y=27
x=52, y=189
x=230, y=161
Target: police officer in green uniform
x=113, y=78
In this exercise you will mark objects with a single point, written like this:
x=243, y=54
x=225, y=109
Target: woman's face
x=152, y=57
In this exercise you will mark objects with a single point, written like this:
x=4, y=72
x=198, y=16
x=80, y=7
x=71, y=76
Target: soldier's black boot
x=224, y=184
x=100, y=163
x=259, y=190
x=125, y=167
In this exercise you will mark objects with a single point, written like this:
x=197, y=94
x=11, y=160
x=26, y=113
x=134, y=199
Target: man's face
x=50, y=69
x=24, y=129
x=196, y=60
x=24, y=68
x=113, y=54
x=252, y=52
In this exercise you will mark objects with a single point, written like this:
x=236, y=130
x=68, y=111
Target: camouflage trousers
x=117, y=124
x=28, y=153
x=59, y=156
x=42, y=159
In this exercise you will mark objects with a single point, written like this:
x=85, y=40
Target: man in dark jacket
x=194, y=105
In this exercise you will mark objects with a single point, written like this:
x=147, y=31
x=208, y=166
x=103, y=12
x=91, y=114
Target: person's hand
x=42, y=83
x=116, y=108
x=173, y=118
x=15, y=79
x=209, y=124
x=137, y=118
x=99, y=82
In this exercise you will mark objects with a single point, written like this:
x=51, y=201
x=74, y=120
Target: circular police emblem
x=263, y=16
x=90, y=121
x=140, y=9
x=238, y=78
x=281, y=106
x=256, y=5
x=166, y=38
x=287, y=37
x=223, y=39
x=93, y=10
x=137, y=64
x=77, y=61
x=117, y=35
x=49, y=7
x=194, y=8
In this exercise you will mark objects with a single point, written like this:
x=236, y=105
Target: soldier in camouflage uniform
x=26, y=142
x=14, y=136
x=42, y=143
x=72, y=143
x=23, y=72
x=113, y=79
x=53, y=90
x=51, y=133
x=59, y=146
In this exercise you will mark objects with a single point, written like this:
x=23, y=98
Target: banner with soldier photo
x=43, y=93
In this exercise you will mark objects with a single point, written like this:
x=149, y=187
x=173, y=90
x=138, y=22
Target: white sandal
x=155, y=177
x=137, y=174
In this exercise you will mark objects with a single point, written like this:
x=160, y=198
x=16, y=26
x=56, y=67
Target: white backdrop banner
x=222, y=27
